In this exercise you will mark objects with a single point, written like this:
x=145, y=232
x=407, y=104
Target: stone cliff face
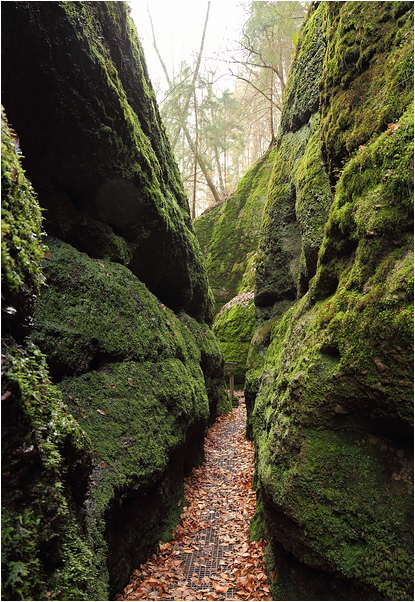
x=106, y=404
x=329, y=385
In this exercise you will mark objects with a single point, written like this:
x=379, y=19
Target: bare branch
x=160, y=58
x=277, y=105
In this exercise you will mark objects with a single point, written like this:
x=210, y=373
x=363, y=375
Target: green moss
x=373, y=205
x=21, y=228
x=229, y=233
x=46, y=461
x=280, y=240
x=301, y=95
x=107, y=312
x=257, y=526
x=211, y=362
x=146, y=421
x=46, y=455
x=143, y=382
x=338, y=497
x=112, y=189
x=81, y=510
x=299, y=191
x=329, y=384
x=234, y=326
x=368, y=74
x=313, y=199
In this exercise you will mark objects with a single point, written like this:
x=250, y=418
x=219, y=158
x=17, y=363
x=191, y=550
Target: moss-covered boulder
x=299, y=192
x=330, y=379
x=234, y=326
x=94, y=147
x=21, y=251
x=130, y=371
x=228, y=234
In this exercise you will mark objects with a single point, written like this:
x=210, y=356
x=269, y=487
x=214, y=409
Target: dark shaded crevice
x=316, y=580
x=136, y=517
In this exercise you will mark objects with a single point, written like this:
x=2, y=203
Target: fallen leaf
x=222, y=589
x=101, y=412
x=130, y=381
x=392, y=127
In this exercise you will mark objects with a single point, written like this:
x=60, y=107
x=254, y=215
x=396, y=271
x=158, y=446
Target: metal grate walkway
x=211, y=557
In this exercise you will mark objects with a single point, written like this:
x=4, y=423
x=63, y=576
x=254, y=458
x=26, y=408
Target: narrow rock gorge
x=118, y=312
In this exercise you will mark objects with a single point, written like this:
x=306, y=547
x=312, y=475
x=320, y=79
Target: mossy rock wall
x=94, y=147
x=130, y=371
x=234, y=326
x=228, y=235
x=299, y=192
x=46, y=456
x=111, y=372
x=330, y=380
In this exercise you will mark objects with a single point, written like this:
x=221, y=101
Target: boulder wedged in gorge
x=228, y=235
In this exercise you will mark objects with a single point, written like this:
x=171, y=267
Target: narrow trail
x=211, y=557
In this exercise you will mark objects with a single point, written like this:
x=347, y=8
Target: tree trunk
x=183, y=127
x=219, y=168
x=195, y=159
x=271, y=109
x=193, y=84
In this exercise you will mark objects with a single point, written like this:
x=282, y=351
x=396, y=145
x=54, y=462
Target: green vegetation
x=234, y=326
x=299, y=193
x=228, y=235
x=112, y=189
x=329, y=382
x=46, y=462
x=143, y=382
x=45, y=454
x=367, y=80
x=219, y=134
x=21, y=251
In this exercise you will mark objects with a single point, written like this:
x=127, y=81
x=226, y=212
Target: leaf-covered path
x=211, y=557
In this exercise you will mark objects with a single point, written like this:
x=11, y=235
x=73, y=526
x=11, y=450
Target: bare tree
x=182, y=126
